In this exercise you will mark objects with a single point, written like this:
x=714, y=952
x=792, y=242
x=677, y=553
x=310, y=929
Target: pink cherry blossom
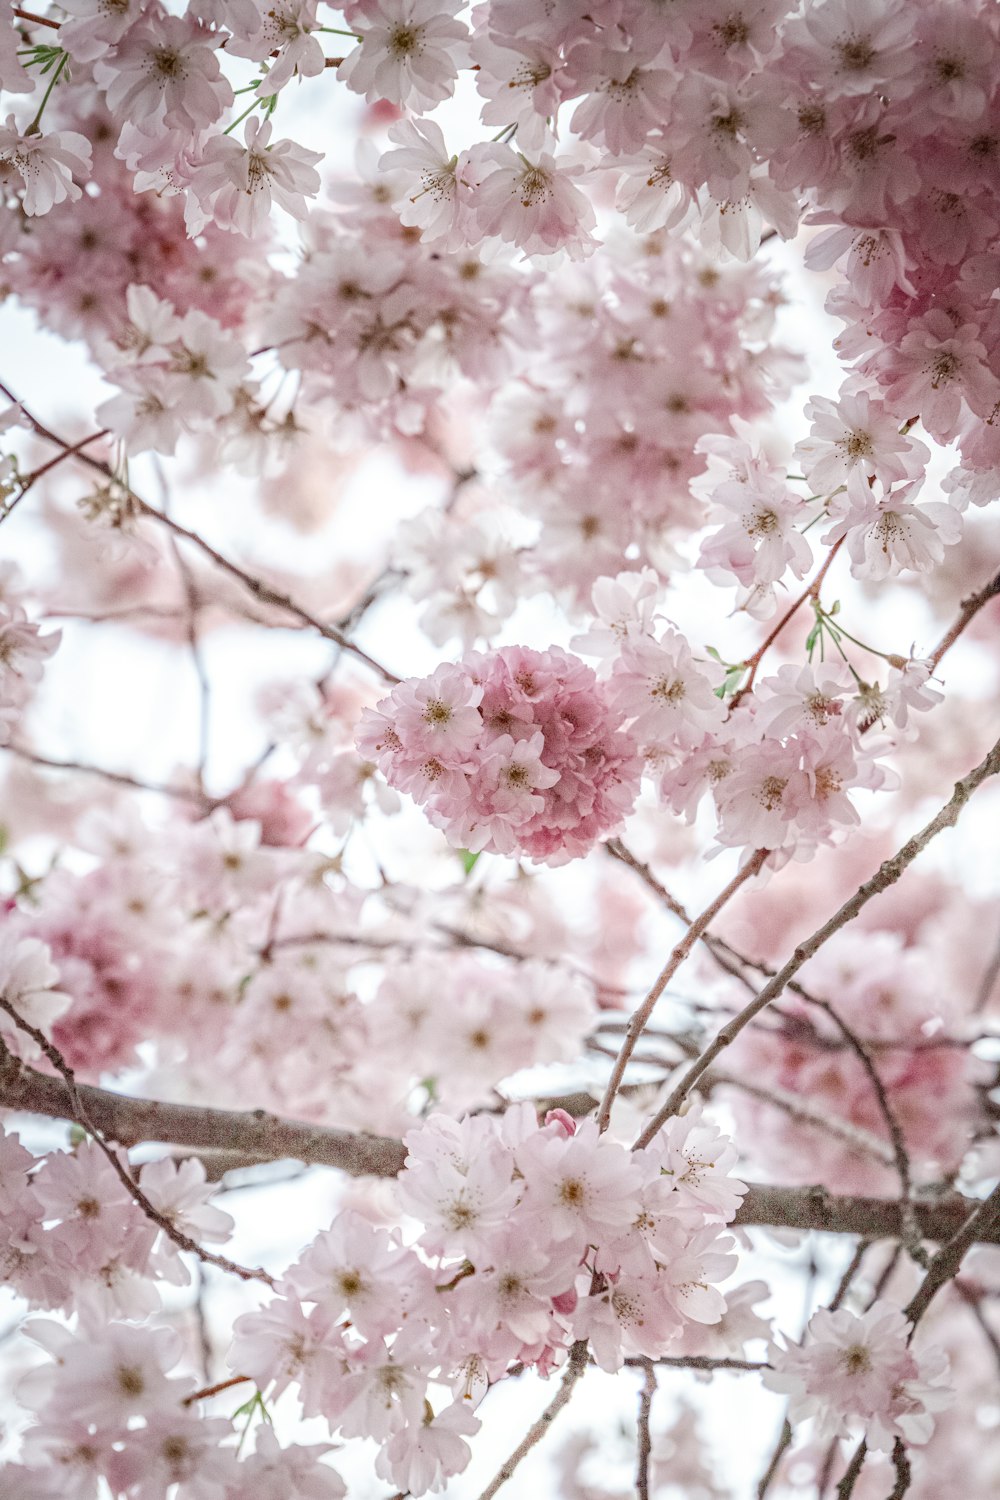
x=858, y=1371
x=48, y=165
x=410, y=52
x=237, y=187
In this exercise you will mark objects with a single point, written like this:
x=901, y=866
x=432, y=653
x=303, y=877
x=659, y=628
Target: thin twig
x=705, y=1362
x=780, y=1449
x=639, y=1018
x=911, y=1234
x=81, y=1116
x=974, y=1302
x=887, y=874
x=990, y=975
x=904, y=1473
x=574, y=1369
x=853, y=1268
x=39, y=473
x=946, y=1263
x=215, y=1390
x=197, y=661
x=256, y=586
x=263, y=593
x=811, y=591
x=644, y=1441
x=29, y=15
x=120, y=778
x=845, y=1487
x=813, y=1115
x=970, y=608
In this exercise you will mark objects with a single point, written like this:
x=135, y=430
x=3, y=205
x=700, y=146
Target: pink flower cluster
x=896, y=997
x=530, y=1237
x=459, y=1025
x=73, y=1238
x=379, y=322
x=518, y=751
x=857, y=1373
x=77, y=262
x=781, y=763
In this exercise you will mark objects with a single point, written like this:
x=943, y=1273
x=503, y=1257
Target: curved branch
x=574, y=1369
x=970, y=608
x=256, y=586
x=253, y=1137
x=887, y=874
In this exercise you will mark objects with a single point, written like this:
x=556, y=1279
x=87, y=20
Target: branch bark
x=253, y=1137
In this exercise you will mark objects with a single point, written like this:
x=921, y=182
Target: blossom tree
x=498, y=620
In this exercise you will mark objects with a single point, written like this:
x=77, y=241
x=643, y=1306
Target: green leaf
x=468, y=859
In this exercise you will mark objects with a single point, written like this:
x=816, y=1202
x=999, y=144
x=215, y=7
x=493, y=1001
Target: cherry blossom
x=410, y=52
x=48, y=165
x=856, y=1371
x=237, y=187
x=518, y=375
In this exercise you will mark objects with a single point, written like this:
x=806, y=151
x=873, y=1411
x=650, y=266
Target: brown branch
x=254, y=1137
x=29, y=15
x=984, y=1219
x=845, y=1488
x=697, y=1362
x=120, y=778
x=811, y=591
x=255, y=586
x=255, y=1134
x=887, y=874
x=854, y=1266
x=780, y=1449
x=644, y=1441
x=970, y=608
x=215, y=1390
x=82, y=1117
x=904, y=1474
x=575, y=1368
x=640, y=1017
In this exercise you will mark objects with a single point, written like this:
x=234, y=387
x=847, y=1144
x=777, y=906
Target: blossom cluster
x=856, y=1371
x=515, y=750
x=872, y=115
x=74, y=1239
x=528, y=752
x=527, y=1238
x=893, y=996
x=101, y=962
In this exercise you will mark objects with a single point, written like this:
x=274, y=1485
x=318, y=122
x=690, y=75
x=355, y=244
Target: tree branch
x=81, y=1116
x=970, y=608
x=575, y=1368
x=638, y=1021
x=887, y=874
x=644, y=1441
x=253, y=1137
